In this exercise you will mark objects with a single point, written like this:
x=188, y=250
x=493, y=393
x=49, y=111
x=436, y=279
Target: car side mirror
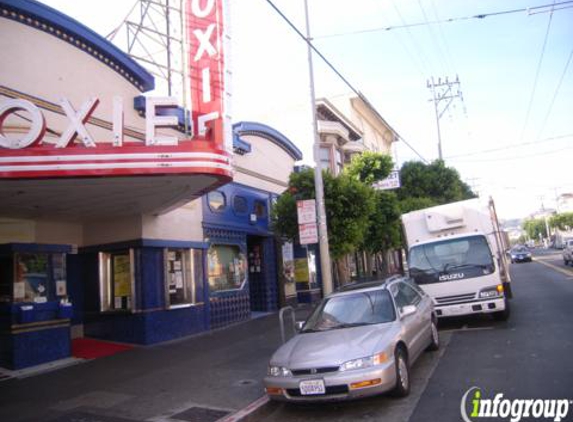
x=298, y=325
x=408, y=310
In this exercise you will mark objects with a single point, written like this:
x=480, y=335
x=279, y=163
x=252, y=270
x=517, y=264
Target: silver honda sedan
x=359, y=341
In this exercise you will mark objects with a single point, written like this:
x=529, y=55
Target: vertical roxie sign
x=207, y=71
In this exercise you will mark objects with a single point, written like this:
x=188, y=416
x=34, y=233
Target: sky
x=511, y=136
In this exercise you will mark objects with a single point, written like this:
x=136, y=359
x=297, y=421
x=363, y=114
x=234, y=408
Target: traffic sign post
x=306, y=216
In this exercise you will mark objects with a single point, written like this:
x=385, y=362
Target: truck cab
x=460, y=274
x=456, y=255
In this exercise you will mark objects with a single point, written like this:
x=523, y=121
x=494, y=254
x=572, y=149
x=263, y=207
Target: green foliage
x=563, y=221
x=535, y=228
x=369, y=167
x=384, y=231
x=284, y=218
x=413, y=204
x=424, y=185
x=349, y=204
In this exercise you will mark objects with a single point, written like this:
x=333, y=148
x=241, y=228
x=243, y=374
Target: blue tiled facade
x=36, y=332
x=243, y=228
x=32, y=333
x=151, y=320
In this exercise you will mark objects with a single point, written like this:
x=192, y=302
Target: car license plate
x=312, y=387
x=457, y=310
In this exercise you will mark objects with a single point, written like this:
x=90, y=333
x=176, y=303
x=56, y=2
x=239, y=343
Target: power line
x=486, y=151
x=555, y=94
x=536, y=77
x=330, y=65
x=425, y=62
x=413, y=58
x=530, y=10
x=432, y=35
x=518, y=157
x=444, y=40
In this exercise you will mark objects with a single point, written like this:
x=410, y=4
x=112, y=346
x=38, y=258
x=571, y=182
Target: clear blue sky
x=496, y=59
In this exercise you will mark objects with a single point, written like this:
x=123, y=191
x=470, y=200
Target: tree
x=348, y=204
x=358, y=217
x=370, y=167
x=535, y=228
x=424, y=185
x=563, y=221
x=385, y=230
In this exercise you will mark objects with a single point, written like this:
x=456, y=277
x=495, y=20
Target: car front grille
x=314, y=371
x=455, y=299
x=330, y=391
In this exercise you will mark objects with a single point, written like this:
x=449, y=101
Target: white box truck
x=456, y=253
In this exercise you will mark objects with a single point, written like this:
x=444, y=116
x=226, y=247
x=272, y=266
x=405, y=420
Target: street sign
x=306, y=211
x=391, y=182
x=308, y=233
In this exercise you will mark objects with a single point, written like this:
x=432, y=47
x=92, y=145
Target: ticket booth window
x=116, y=281
x=183, y=269
x=39, y=277
x=227, y=268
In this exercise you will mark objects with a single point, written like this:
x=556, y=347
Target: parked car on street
x=520, y=253
x=359, y=341
x=568, y=252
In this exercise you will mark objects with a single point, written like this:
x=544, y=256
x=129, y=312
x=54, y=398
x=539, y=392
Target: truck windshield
x=451, y=260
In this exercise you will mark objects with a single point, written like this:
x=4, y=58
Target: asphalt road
x=528, y=357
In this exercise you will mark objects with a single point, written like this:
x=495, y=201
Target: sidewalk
x=201, y=378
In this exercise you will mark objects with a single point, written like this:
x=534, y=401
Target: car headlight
x=491, y=292
x=513, y=256
x=364, y=362
x=279, y=371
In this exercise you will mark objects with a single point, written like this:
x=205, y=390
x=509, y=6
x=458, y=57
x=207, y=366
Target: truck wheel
x=503, y=315
x=402, y=388
x=435, y=337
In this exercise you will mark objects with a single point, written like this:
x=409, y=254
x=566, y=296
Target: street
x=529, y=357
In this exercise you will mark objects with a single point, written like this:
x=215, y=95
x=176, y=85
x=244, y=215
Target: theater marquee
x=74, y=152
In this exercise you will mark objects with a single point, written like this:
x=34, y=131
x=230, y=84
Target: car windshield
x=519, y=249
x=352, y=310
x=449, y=260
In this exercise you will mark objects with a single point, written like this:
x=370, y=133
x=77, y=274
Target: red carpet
x=89, y=348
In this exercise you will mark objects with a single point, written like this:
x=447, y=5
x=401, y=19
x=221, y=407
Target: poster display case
x=33, y=283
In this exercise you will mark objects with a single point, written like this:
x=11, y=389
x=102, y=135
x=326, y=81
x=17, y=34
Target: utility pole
x=325, y=264
x=545, y=218
x=443, y=91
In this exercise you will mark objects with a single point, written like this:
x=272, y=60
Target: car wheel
x=503, y=315
x=435, y=337
x=402, y=388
